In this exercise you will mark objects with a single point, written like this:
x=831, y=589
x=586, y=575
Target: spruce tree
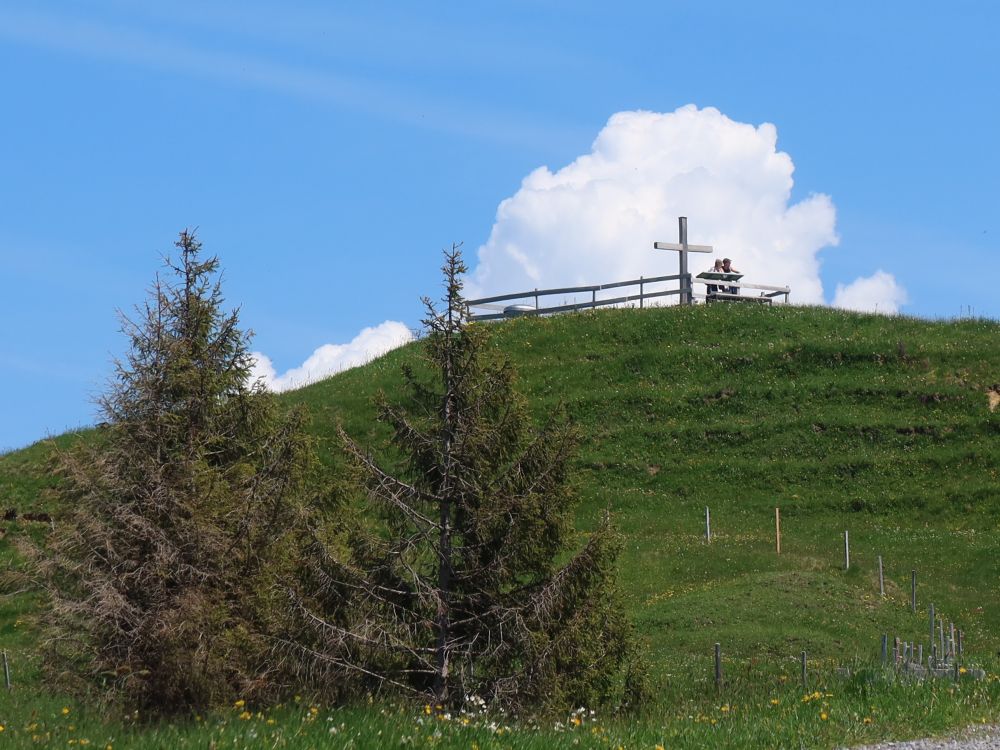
x=180, y=513
x=461, y=592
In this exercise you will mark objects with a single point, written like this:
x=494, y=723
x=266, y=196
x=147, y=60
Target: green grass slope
x=876, y=425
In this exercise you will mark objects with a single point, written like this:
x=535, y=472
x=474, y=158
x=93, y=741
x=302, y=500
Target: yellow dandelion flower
x=65, y=710
x=1, y=727
x=427, y=709
x=775, y=701
x=868, y=720
x=240, y=703
x=659, y=747
x=245, y=716
x=963, y=670
x=824, y=716
x=270, y=722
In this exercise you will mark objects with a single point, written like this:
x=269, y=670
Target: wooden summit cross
x=683, y=248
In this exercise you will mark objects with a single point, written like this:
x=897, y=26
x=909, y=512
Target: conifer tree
x=461, y=592
x=180, y=514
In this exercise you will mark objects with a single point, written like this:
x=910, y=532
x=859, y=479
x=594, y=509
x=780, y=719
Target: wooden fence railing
x=508, y=311
x=494, y=311
x=766, y=296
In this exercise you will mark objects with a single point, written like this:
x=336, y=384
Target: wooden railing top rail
x=572, y=289
x=744, y=285
x=578, y=305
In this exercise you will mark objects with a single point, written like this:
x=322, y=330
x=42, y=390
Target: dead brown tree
x=180, y=515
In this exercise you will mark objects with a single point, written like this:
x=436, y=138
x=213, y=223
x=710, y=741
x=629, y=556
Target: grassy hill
x=876, y=425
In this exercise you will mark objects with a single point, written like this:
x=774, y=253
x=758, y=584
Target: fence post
x=536, y=299
x=931, y=619
x=847, y=551
x=885, y=648
x=881, y=578
x=777, y=530
x=6, y=670
x=641, y=288
x=913, y=591
x=805, y=673
x=718, y=666
x=708, y=526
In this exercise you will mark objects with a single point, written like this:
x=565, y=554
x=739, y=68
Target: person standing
x=713, y=289
x=727, y=267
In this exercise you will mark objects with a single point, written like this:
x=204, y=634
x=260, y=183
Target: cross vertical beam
x=682, y=238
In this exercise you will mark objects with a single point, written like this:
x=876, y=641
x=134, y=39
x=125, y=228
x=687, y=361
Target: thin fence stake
x=920, y=654
x=641, y=287
x=931, y=613
x=718, y=666
x=961, y=643
x=777, y=530
x=708, y=526
x=881, y=578
x=943, y=651
x=885, y=648
x=6, y=670
x=913, y=591
x=895, y=651
x=805, y=672
x=847, y=551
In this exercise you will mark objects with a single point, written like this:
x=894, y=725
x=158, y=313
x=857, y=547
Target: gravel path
x=973, y=738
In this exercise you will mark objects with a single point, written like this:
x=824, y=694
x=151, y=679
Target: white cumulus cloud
x=595, y=220
x=332, y=358
x=879, y=293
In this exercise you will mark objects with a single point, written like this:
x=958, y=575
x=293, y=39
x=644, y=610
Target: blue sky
x=328, y=153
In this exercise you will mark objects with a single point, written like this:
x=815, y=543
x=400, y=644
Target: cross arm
x=683, y=248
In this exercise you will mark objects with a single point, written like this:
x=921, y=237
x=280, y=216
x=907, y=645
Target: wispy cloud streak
x=137, y=47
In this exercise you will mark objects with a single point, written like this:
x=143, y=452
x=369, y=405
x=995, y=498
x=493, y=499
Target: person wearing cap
x=727, y=267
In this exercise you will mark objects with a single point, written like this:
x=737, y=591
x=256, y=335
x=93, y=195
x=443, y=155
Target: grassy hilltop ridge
x=877, y=425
